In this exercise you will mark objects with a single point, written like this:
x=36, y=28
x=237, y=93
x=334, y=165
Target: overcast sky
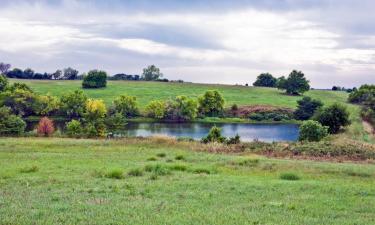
x=218, y=41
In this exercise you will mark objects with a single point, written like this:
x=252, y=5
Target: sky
x=208, y=41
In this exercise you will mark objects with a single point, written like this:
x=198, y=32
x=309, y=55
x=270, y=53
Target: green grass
x=73, y=185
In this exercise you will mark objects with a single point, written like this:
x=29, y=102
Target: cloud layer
x=332, y=42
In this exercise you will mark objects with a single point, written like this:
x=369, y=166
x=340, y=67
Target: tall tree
x=70, y=74
x=4, y=67
x=295, y=84
x=151, y=73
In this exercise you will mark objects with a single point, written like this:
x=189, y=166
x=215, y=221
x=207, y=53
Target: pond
x=247, y=132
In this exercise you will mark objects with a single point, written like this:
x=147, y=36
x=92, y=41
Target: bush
x=3, y=83
x=211, y=103
x=74, y=128
x=95, y=79
x=157, y=169
x=115, y=122
x=45, y=127
x=214, y=135
x=156, y=109
x=115, y=174
x=306, y=108
x=10, y=124
x=234, y=140
x=363, y=94
x=95, y=110
x=22, y=102
x=312, y=131
x=73, y=104
x=334, y=116
x=182, y=109
x=136, y=172
x=46, y=105
x=289, y=176
x=265, y=80
x=126, y=105
x=272, y=115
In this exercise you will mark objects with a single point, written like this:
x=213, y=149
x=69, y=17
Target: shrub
x=157, y=169
x=234, y=140
x=289, y=176
x=45, y=127
x=270, y=115
x=74, y=128
x=115, y=174
x=21, y=102
x=46, y=105
x=214, y=135
x=178, y=167
x=334, y=116
x=3, y=83
x=363, y=94
x=73, y=104
x=306, y=108
x=312, y=131
x=95, y=110
x=115, y=122
x=234, y=107
x=182, y=109
x=136, y=172
x=95, y=79
x=126, y=105
x=156, y=109
x=265, y=80
x=211, y=103
x=10, y=124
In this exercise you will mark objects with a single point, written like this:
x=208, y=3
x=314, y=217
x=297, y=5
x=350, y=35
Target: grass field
x=147, y=91
x=67, y=181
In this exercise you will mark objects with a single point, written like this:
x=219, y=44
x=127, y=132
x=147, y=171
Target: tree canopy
x=151, y=73
x=95, y=79
x=265, y=80
x=295, y=84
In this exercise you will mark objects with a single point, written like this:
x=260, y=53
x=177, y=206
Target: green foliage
x=29, y=169
x=46, y=105
x=73, y=104
x=234, y=140
x=364, y=94
x=311, y=130
x=95, y=79
x=20, y=86
x=95, y=110
x=306, y=108
x=22, y=101
x=214, y=135
x=265, y=80
x=334, y=116
x=270, y=116
x=151, y=73
x=10, y=124
x=137, y=172
x=161, y=155
x=158, y=169
x=182, y=109
x=156, y=109
x=115, y=122
x=126, y=105
x=115, y=174
x=211, y=103
x=3, y=83
x=289, y=176
x=295, y=84
x=74, y=128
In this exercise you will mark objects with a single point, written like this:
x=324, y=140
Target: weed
x=161, y=155
x=179, y=157
x=248, y=162
x=30, y=169
x=152, y=159
x=178, y=167
x=202, y=170
x=157, y=169
x=115, y=174
x=136, y=172
x=289, y=176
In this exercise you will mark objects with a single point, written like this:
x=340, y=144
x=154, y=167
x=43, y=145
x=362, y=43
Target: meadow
x=233, y=94
x=156, y=181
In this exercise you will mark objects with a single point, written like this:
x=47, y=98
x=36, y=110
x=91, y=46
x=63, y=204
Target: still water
x=247, y=132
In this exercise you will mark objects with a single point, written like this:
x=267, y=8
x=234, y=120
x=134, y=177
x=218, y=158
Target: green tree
x=182, y=109
x=73, y=104
x=311, y=130
x=295, y=84
x=265, y=80
x=306, y=108
x=156, y=109
x=334, y=117
x=151, y=73
x=95, y=79
x=211, y=103
x=281, y=83
x=10, y=124
x=3, y=83
x=126, y=105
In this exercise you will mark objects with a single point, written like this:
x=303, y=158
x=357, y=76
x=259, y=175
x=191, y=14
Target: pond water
x=247, y=132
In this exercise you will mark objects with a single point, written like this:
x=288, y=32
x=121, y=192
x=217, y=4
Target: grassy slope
x=65, y=189
x=147, y=91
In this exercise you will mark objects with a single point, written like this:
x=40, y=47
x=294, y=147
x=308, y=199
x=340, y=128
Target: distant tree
x=306, y=108
x=70, y=74
x=334, y=117
x=335, y=88
x=311, y=130
x=15, y=73
x=73, y=104
x=3, y=83
x=265, y=80
x=95, y=79
x=281, y=83
x=57, y=75
x=126, y=105
x=4, y=67
x=28, y=74
x=151, y=73
x=45, y=127
x=211, y=103
x=295, y=84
